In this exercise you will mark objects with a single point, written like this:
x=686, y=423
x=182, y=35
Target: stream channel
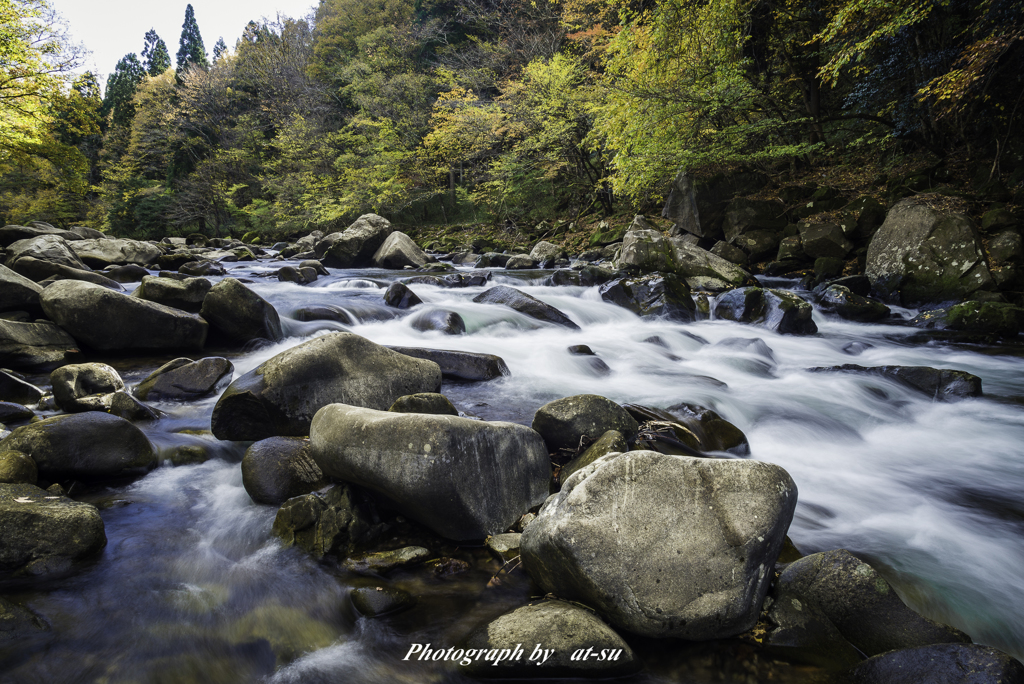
x=192, y=586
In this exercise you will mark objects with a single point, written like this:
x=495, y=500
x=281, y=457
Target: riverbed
x=193, y=587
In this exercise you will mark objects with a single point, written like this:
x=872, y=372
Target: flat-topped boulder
x=185, y=379
x=36, y=346
x=107, y=320
x=462, y=478
x=460, y=365
x=186, y=294
x=280, y=396
x=103, y=252
x=52, y=248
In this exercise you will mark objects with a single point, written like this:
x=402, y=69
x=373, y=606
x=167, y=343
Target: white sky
x=110, y=29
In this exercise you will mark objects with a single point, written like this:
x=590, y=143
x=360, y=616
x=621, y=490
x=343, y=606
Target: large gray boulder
x=545, y=251
x=82, y=387
x=694, y=262
x=83, y=446
x=398, y=251
x=564, y=422
x=541, y=641
x=860, y=603
x=279, y=468
x=940, y=664
x=923, y=255
x=52, y=248
x=681, y=207
x=239, y=314
x=462, y=478
x=646, y=249
x=281, y=396
x=525, y=304
x=187, y=294
x=664, y=546
x=17, y=291
x=106, y=320
x=103, y=252
x=356, y=245
x=41, y=533
x=35, y=346
x=10, y=234
x=185, y=379
x=40, y=270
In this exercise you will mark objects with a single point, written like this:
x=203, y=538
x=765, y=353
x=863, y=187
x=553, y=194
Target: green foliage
x=121, y=86
x=220, y=48
x=155, y=56
x=191, y=50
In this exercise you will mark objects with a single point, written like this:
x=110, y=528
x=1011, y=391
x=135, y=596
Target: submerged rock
x=279, y=468
x=459, y=365
x=524, y=304
x=383, y=562
x=942, y=384
x=400, y=296
x=462, y=478
x=653, y=295
x=441, y=320
x=377, y=601
x=43, y=533
x=777, y=310
x=281, y=395
x=17, y=622
x=941, y=664
x=185, y=379
x=564, y=422
x=109, y=320
x=321, y=523
x=664, y=546
x=562, y=631
x=83, y=446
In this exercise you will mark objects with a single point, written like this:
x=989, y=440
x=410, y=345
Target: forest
x=499, y=112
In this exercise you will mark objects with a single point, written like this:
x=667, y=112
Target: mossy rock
x=993, y=318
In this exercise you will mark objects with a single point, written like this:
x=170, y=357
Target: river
x=193, y=587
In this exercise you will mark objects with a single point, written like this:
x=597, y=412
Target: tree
x=36, y=58
x=155, y=56
x=191, y=50
x=219, y=49
x=121, y=87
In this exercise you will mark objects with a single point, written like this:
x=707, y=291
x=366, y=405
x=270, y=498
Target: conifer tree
x=121, y=87
x=191, y=50
x=155, y=56
x=219, y=49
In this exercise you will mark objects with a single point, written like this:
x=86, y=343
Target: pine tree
x=219, y=49
x=121, y=86
x=191, y=50
x=155, y=56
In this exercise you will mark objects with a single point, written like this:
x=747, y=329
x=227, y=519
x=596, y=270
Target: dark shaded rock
x=790, y=250
x=281, y=395
x=17, y=468
x=776, y=310
x=34, y=346
x=400, y=296
x=595, y=275
x=79, y=387
x=922, y=255
x=462, y=478
x=324, y=312
x=652, y=295
x=608, y=443
x=942, y=384
x=126, y=274
x=10, y=234
x=46, y=272
x=556, y=626
x=202, y=268
x=743, y=216
x=730, y=253
x=290, y=274
x=691, y=557
x=459, y=365
x=525, y=304
x=321, y=523
x=383, y=562
x=11, y=412
x=83, y=446
x=425, y=402
x=799, y=632
x=680, y=208
x=941, y=664
x=185, y=379
x=14, y=388
x=17, y=291
x=18, y=623
x=376, y=601
x=108, y=320
x=280, y=468
x=852, y=307
x=581, y=350
x=44, y=533
x=986, y=318
x=713, y=432
x=860, y=603
x=824, y=240
x=440, y=320
x=564, y=422
x=240, y=314
x=759, y=245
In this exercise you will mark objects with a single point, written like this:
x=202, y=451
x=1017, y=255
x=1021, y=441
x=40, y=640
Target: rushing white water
x=928, y=491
